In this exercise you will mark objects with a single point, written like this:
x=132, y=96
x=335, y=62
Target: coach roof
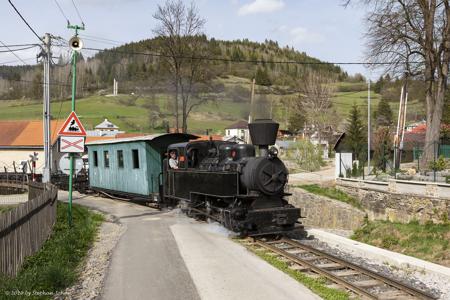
x=145, y=138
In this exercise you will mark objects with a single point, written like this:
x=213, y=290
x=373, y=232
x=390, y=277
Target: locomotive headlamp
x=273, y=151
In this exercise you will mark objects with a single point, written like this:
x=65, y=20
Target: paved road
x=164, y=255
x=322, y=176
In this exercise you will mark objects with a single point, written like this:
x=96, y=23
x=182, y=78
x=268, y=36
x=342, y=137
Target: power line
x=19, y=45
x=78, y=12
x=62, y=11
x=14, y=50
x=23, y=19
x=14, y=53
x=102, y=39
x=57, y=83
x=240, y=60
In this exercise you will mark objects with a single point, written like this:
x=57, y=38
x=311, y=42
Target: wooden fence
x=25, y=228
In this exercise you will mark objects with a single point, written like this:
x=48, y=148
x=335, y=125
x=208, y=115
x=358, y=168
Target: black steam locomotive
x=227, y=182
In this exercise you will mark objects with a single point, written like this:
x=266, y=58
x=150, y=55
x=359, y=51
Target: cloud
x=300, y=35
x=304, y=35
x=261, y=6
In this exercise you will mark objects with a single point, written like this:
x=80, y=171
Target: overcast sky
x=321, y=28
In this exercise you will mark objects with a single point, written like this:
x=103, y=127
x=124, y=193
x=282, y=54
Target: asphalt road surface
x=165, y=255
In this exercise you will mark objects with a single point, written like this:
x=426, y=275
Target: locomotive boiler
x=229, y=183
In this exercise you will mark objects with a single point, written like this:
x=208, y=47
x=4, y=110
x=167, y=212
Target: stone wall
x=392, y=205
x=323, y=212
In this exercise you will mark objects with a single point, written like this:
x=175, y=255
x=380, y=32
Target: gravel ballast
x=435, y=285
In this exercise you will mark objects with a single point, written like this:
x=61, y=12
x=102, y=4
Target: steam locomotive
x=229, y=183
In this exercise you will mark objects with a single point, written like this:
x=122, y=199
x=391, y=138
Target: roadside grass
x=428, y=241
x=56, y=265
x=332, y=193
x=6, y=208
x=318, y=285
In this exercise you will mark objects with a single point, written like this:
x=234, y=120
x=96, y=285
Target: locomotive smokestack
x=263, y=133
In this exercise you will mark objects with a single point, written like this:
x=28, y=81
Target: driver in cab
x=173, y=159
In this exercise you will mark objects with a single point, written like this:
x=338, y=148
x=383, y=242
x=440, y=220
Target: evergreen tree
x=296, y=121
x=355, y=133
x=262, y=77
x=379, y=85
x=383, y=114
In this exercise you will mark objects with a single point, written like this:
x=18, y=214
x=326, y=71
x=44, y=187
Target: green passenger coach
x=131, y=167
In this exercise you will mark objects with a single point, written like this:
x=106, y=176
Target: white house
x=343, y=158
x=237, y=130
x=105, y=128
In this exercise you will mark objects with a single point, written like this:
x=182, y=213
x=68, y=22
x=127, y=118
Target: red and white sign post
x=71, y=135
x=71, y=140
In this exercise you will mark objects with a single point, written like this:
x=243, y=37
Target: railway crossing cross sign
x=71, y=144
x=72, y=126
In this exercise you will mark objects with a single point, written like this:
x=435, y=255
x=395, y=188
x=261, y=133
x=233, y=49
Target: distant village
x=21, y=142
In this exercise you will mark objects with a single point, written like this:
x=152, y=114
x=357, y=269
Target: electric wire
x=101, y=38
x=61, y=104
x=62, y=11
x=221, y=59
x=101, y=41
x=14, y=53
x=18, y=45
x=23, y=19
x=57, y=83
x=15, y=50
x=78, y=12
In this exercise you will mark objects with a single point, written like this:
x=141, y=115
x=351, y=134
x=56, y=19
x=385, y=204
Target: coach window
x=95, y=159
x=135, y=154
x=106, y=158
x=120, y=158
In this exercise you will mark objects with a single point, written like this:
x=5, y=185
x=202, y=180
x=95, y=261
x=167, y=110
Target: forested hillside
x=137, y=68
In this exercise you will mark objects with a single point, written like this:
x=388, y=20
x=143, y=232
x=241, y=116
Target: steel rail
x=392, y=282
x=408, y=290
x=318, y=270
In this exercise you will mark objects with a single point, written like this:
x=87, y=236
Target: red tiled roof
x=25, y=133
x=98, y=138
x=130, y=135
x=215, y=137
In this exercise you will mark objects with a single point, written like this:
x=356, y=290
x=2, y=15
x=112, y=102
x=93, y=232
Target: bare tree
x=183, y=45
x=413, y=36
x=315, y=102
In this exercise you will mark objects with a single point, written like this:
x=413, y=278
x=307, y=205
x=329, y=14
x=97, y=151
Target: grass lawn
x=55, y=266
x=332, y=193
x=429, y=242
x=133, y=114
x=318, y=285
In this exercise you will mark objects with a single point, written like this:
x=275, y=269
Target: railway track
x=342, y=274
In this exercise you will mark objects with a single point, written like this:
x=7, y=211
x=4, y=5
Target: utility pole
x=368, y=129
x=76, y=45
x=250, y=116
x=252, y=97
x=46, y=176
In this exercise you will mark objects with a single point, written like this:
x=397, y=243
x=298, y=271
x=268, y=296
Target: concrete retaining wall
x=324, y=212
x=393, y=200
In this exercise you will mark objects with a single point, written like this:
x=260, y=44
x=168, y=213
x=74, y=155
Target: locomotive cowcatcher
x=229, y=183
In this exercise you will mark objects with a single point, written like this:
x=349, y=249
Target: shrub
x=438, y=165
x=307, y=156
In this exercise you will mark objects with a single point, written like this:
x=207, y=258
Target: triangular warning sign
x=72, y=126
